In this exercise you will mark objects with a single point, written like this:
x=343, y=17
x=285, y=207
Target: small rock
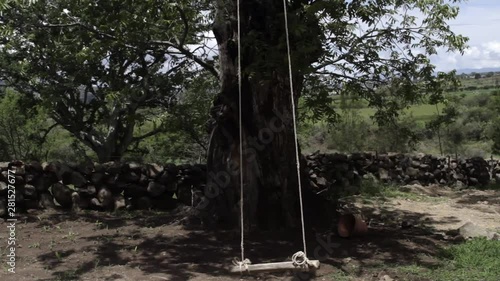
x=95, y=202
x=321, y=181
x=386, y=278
x=383, y=174
x=75, y=197
x=77, y=179
x=412, y=172
x=62, y=194
x=473, y=181
x=144, y=203
x=86, y=168
x=120, y=202
x=133, y=166
x=153, y=170
x=30, y=191
x=3, y=207
x=459, y=185
x=156, y=189
x=3, y=187
x=19, y=170
x=105, y=197
x=406, y=224
x=470, y=230
x=47, y=201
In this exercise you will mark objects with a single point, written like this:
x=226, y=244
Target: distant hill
x=478, y=70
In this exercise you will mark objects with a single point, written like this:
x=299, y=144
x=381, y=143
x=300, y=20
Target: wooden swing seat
x=310, y=266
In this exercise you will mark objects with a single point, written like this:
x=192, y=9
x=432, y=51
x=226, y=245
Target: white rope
x=299, y=258
x=241, y=137
x=242, y=264
x=297, y=158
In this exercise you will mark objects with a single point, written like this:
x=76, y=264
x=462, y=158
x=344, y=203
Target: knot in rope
x=242, y=264
x=299, y=259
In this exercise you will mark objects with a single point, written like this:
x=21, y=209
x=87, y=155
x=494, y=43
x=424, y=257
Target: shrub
x=454, y=138
x=22, y=128
x=494, y=132
x=350, y=134
x=480, y=100
x=477, y=114
x=398, y=137
x=474, y=131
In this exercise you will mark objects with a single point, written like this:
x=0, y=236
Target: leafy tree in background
x=445, y=118
x=495, y=135
x=350, y=132
x=185, y=138
x=402, y=135
x=23, y=129
x=455, y=137
x=100, y=68
x=494, y=130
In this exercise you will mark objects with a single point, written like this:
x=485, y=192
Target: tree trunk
x=105, y=155
x=112, y=146
x=269, y=166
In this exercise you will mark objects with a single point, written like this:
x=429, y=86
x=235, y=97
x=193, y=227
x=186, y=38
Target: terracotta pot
x=351, y=225
x=360, y=226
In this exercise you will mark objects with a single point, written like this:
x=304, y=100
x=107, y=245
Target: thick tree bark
x=269, y=166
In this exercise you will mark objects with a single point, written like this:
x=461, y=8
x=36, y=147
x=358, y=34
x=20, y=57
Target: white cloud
x=480, y=56
x=480, y=21
x=492, y=50
x=473, y=52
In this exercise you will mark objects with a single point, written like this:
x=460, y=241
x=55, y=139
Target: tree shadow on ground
x=489, y=197
x=114, y=220
x=181, y=254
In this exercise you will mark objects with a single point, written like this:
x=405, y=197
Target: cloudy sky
x=480, y=21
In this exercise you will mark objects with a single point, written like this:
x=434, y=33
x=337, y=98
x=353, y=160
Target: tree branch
x=186, y=28
x=188, y=54
x=149, y=134
x=47, y=131
x=179, y=46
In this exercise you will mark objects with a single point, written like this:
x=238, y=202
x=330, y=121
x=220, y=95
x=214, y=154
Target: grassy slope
x=424, y=112
x=477, y=259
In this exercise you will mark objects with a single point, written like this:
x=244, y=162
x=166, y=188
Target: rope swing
x=299, y=259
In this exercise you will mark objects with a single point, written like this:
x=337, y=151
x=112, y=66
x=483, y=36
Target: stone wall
x=108, y=186
x=344, y=171
x=112, y=186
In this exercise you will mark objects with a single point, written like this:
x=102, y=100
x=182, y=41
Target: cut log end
x=311, y=266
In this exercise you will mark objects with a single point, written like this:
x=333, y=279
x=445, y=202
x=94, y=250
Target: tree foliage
x=101, y=68
x=23, y=128
x=369, y=46
x=185, y=138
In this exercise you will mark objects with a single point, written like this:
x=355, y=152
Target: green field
x=423, y=112
x=485, y=81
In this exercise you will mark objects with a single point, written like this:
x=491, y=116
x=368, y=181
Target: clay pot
x=351, y=225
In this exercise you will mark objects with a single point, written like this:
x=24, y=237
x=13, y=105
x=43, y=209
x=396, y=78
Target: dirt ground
x=146, y=246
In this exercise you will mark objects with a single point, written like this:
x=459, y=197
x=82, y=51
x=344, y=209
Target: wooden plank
x=312, y=265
